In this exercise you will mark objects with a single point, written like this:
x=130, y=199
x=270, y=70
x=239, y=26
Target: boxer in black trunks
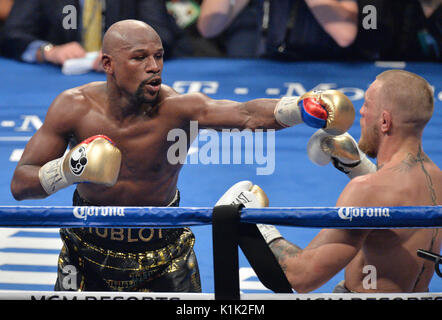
x=124, y=123
x=102, y=262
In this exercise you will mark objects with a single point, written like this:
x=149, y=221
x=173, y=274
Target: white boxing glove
x=342, y=150
x=251, y=196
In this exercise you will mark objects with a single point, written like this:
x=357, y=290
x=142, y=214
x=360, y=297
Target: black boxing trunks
x=117, y=259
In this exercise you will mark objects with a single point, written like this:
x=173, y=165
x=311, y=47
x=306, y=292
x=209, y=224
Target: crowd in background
x=406, y=30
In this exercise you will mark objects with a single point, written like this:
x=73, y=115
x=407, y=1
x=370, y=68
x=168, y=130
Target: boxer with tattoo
x=397, y=107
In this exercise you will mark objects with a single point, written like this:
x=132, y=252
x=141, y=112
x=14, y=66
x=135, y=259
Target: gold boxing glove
x=251, y=196
x=94, y=160
x=244, y=192
x=342, y=150
x=328, y=109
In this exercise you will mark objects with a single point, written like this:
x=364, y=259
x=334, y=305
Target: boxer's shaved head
x=408, y=96
x=126, y=34
x=398, y=102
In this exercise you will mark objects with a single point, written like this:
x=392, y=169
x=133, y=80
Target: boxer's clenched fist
x=342, y=151
x=251, y=196
x=328, y=109
x=95, y=160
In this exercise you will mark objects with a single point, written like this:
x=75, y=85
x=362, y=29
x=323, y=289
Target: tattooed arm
x=327, y=254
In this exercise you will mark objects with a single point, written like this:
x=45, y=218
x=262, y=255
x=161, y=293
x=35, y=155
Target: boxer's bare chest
x=143, y=141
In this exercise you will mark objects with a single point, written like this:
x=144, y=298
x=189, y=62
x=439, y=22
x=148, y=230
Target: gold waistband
x=136, y=261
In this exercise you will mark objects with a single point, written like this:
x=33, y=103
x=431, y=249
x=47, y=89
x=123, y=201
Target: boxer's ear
x=107, y=62
x=386, y=122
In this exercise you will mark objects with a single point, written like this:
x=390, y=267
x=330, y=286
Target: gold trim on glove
x=261, y=195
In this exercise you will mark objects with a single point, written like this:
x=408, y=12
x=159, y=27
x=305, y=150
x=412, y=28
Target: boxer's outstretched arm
x=48, y=143
x=219, y=114
x=329, y=109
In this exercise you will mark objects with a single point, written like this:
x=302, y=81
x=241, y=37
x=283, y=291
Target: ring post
x=262, y=259
x=225, y=236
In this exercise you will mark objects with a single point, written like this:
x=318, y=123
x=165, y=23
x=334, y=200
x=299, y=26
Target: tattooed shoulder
x=418, y=160
x=412, y=160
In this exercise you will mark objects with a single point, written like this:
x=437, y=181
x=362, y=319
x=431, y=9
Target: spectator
x=337, y=18
x=34, y=31
x=403, y=30
x=337, y=29
x=310, y=29
x=186, y=13
x=5, y=8
x=234, y=25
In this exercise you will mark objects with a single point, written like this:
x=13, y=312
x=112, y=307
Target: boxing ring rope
x=233, y=226
x=310, y=217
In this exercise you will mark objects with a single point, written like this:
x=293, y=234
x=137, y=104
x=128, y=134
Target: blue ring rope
x=312, y=217
x=347, y=217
